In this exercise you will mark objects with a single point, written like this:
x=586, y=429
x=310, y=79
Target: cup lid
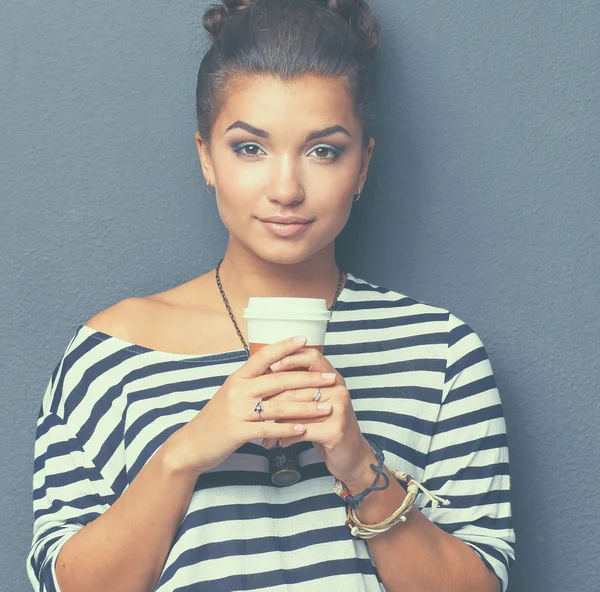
x=287, y=308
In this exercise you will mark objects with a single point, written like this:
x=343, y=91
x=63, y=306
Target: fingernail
x=275, y=365
x=299, y=339
x=324, y=406
x=299, y=428
x=328, y=375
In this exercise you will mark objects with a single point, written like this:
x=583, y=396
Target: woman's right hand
x=228, y=419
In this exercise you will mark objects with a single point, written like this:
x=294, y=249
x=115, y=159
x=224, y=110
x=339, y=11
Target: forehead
x=269, y=102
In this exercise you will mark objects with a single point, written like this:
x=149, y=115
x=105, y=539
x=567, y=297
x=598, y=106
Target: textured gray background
x=482, y=197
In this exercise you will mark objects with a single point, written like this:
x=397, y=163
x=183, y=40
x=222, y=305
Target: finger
x=317, y=433
x=270, y=442
x=268, y=385
x=306, y=420
x=259, y=363
x=308, y=358
x=269, y=430
x=301, y=395
x=285, y=410
x=285, y=442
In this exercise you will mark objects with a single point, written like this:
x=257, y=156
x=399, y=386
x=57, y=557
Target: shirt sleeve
x=468, y=460
x=69, y=489
x=68, y=492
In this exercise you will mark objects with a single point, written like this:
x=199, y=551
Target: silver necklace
x=341, y=279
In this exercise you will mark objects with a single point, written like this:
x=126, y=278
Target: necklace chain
x=341, y=279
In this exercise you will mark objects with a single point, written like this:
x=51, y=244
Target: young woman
x=151, y=449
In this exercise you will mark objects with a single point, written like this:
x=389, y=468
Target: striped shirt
x=421, y=385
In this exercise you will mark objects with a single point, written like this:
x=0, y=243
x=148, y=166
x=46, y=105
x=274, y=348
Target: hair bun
x=216, y=16
x=357, y=13
x=361, y=19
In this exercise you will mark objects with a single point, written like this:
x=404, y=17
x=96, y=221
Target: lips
x=285, y=220
x=287, y=229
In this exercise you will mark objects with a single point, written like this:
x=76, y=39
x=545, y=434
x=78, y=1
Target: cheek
x=332, y=186
x=238, y=184
x=333, y=209
x=341, y=219
x=335, y=179
x=235, y=198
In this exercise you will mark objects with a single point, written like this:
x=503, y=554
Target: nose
x=285, y=184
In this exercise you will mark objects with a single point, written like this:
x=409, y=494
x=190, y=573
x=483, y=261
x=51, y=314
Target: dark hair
x=288, y=39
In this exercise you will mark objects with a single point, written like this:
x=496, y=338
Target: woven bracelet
x=354, y=500
x=368, y=531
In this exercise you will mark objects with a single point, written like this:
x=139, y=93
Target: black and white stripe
x=421, y=385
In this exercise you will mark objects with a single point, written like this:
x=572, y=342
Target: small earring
x=356, y=196
x=208, y=188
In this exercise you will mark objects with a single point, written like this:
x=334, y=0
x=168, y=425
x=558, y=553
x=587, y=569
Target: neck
x=244, y=275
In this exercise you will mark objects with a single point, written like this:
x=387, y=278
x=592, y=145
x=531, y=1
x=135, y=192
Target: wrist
x=174, y=454
x=365, y=474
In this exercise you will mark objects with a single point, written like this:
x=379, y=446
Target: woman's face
x=263, y=165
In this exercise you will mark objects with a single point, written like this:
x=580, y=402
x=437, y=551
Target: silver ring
x=258, y=408
x=317, y=396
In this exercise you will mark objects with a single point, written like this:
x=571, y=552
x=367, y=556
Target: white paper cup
x=272, y=319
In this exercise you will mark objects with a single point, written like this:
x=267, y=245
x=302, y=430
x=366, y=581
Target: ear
x=366, y=159
x=205, y=161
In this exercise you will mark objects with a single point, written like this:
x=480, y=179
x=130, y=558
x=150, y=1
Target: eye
x=241, y=147
x=241, y=150
x=335, y=151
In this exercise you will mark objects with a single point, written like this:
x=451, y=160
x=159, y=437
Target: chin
x=283, y=258
x=290, y=254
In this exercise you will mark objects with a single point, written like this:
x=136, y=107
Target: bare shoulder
x=121, y=319
x=186, y=319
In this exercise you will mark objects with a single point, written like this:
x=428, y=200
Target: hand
x=228, y=419
x=337, y=435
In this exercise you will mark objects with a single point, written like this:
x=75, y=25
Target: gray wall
x=482, y=198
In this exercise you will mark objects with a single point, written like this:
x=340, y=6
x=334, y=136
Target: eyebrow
x=311, y=136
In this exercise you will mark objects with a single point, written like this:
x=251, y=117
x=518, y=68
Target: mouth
x=286, y=229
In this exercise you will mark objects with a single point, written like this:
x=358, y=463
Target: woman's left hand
x=337, y=435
